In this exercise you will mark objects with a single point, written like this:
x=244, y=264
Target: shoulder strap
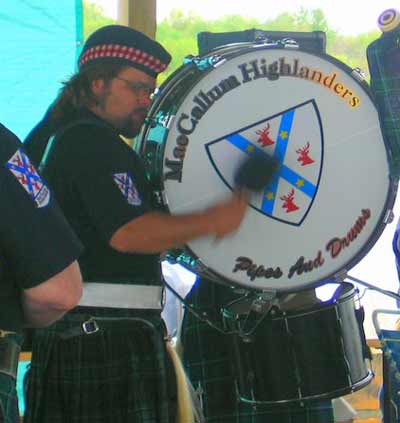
x=59, y=132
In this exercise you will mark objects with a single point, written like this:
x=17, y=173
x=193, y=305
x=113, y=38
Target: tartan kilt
x=115, y=375
x=8, y=400
x=208, y=360
x=8, y=394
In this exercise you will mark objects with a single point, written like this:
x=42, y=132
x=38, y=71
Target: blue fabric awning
x=40, y=40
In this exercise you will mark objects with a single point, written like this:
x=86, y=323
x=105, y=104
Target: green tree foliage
x=93, y=18
x=178, y=32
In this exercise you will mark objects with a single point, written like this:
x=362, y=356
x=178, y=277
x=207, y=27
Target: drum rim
x=328, y=395
x=349, y=292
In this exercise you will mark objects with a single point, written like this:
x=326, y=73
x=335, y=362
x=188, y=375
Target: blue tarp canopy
x=40, y=40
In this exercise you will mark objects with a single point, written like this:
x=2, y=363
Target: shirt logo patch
x=126, y=186
x=21, y=167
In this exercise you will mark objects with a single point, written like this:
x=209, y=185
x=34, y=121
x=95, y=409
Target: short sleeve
x=36, y=239
x=110, y=180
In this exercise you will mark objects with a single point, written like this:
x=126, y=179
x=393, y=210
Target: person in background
x=40, y=279
x=106, y=361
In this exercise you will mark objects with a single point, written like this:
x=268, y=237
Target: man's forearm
x=36, y=317
x=157, y=232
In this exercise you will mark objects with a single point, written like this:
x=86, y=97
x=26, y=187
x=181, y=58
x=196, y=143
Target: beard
x=129, y=126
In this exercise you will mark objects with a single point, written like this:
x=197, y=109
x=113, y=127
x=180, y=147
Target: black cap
x=124, y=45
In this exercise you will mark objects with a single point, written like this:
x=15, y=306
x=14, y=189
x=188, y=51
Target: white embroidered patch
x=126, y=186
x=21, y=167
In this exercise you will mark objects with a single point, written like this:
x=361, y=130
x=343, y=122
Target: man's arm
x=50, y=300
x=156, y=232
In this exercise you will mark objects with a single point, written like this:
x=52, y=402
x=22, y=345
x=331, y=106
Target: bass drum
x=333, y=194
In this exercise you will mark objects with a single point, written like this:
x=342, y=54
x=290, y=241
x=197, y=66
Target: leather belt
x=144, y=297
x=98, y=324
x=9, y=355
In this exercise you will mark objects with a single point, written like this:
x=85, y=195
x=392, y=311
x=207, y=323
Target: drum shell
x=316, y=352
x=273, y=246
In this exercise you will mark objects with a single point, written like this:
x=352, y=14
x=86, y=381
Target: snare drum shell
x=308, y=354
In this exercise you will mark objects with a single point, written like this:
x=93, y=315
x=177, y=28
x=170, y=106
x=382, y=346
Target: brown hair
x=77, y=93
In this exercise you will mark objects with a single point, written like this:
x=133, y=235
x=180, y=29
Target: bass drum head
x=324, y=209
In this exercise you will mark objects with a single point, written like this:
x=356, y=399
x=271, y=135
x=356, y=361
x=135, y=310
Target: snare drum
x=315, y=352
x=333, y=194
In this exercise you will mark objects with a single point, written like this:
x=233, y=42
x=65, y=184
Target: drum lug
x=151, y=122
x=358, y=74
x=203, y=63
x=263, y=301
x=159, y=198
x=289, y=43
x=389, y=216
x=340, y=276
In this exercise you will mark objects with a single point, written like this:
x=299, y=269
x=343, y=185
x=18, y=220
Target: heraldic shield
x=294, y=137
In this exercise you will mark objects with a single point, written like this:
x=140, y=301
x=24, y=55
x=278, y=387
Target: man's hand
x=226, y=216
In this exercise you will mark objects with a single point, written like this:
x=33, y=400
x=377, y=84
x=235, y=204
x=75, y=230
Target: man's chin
x=129, y=132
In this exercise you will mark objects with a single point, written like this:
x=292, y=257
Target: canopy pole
x=139, y=14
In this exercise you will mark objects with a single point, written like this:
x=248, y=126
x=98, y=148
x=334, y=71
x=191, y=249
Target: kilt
x=8, y=400
x=8, y=394
x=116, y=375
x=207, y=358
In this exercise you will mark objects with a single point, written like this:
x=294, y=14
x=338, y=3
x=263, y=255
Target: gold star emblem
x=250, y=148
x=300, y=183
x=283, y=134
x=269, y=196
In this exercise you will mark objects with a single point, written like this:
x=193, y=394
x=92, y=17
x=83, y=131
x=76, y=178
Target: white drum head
x=323, y=210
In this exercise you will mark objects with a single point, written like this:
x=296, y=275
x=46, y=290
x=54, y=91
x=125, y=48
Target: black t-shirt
x=100, y=184
x=36, y=242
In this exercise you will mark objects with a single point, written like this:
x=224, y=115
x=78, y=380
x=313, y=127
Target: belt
x=142, y=297
x=96, y=324
x=9, y=356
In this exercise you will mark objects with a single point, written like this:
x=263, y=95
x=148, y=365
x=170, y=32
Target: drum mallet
x=256, y=172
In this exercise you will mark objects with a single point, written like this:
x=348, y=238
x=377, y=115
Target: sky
x=348, y=17
x=377, y=268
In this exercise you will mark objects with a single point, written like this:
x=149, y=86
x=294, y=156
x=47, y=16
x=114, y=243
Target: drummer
x=106, y=361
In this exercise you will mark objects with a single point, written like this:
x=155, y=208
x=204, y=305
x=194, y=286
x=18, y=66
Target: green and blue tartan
x=207, y=358
x=8, y=400
x=8, y=393
x=116, y=375
x=383, y=57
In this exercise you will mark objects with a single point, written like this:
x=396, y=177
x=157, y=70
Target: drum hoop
x=333, y=394
x=348, y=293
x=174, y=81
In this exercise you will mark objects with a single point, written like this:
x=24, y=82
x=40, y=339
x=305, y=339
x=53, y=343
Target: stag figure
x=289, y=204
x=264, y=138
x=304, y=157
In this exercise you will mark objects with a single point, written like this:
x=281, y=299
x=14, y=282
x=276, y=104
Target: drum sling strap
x=9, y=355
x=59, y=132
